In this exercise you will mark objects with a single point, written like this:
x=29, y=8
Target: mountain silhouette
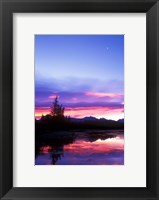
x=121, y=120
x=90, y=118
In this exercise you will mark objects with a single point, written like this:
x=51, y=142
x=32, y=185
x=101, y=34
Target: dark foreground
x=80, y=147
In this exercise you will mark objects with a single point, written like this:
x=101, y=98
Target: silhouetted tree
x=57, y=110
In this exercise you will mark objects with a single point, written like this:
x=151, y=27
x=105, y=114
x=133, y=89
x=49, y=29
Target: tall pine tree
x=57, y=110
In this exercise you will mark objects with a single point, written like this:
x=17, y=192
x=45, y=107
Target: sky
x=86, y=73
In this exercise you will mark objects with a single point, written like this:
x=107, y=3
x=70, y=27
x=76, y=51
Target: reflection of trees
x=92, y=137
x=57, y=154
x=57, y=141
x=56, y=144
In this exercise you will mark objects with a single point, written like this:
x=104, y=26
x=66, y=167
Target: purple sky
x=86, y=72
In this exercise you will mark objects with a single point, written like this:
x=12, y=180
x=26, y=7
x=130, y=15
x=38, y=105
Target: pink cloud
x=53, y=96
x=74, y=99
x=103, y=94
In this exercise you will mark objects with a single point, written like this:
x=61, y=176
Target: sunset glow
x=102, y=94
x=81, y=112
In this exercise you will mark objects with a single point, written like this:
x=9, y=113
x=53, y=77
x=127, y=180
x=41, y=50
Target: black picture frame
x=7, y=8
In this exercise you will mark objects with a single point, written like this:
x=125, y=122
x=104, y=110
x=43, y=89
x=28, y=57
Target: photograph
x=79, y=99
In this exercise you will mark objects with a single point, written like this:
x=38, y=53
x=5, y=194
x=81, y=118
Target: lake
x=84, y=147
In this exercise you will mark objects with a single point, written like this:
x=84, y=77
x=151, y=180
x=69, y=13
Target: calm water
x=82, y=148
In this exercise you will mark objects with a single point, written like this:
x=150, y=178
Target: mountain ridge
x=91, y=118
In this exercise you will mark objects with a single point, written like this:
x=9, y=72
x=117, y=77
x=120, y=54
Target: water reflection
x=94, y=149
